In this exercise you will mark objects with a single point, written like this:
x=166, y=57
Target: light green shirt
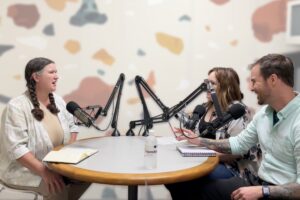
x=280, y=144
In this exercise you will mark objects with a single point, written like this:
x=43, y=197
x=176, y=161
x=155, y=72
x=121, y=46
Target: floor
x=99, y=192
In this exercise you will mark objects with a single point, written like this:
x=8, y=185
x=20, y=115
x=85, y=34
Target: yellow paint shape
x=58, y=4
x=172, y=43
x=104, y=57
x=72, y=46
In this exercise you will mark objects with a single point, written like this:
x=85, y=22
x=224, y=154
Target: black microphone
x=234, y=112
x=80, y=114
x=191, y=122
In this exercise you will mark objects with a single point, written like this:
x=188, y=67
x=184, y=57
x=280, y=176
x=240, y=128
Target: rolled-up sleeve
x=72, y=126
x=15, y=132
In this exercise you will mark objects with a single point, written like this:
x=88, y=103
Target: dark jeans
x=219, y=184
x=220, y=172
x=206, y=189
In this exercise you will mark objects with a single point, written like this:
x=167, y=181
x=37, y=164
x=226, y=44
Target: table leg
x=132, y=192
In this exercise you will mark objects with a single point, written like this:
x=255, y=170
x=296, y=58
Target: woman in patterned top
x=226, y=84
x=33, y=124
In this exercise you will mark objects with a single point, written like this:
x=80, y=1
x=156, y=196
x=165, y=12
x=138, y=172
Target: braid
x=52, y=106
x=36, y=111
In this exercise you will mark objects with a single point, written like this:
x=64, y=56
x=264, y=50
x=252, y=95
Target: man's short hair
x=277, y=64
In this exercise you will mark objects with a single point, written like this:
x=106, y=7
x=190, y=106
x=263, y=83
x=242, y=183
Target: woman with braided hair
x=32, y=124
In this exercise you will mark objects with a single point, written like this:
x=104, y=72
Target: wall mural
x=170, y=43
x=38, y=31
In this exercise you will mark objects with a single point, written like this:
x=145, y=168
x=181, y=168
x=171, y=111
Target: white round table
x=120, y=161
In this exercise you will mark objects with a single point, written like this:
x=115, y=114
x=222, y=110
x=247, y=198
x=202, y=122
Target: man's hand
x=247, y=193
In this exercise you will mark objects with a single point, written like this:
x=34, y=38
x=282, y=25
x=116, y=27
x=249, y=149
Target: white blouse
x=22, y=133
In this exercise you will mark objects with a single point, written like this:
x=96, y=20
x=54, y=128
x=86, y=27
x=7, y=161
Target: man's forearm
x=222, y=146
x=287, y=191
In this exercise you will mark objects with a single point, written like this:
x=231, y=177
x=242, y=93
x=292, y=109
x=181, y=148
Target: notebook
x=195, y=151
x=71, y=155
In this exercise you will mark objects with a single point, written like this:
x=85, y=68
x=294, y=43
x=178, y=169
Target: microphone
x=234, y=112
x=215, y=100
x=190, y=122
x=80, y=114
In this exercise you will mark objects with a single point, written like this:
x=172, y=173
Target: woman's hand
x=185, y=134
x=53, y=181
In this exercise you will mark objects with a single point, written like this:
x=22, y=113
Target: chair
x=3, y=186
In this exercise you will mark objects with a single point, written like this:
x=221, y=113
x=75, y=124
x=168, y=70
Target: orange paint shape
x=104, y=57
x=72, y=46
x=58, y=4
x=172, y=43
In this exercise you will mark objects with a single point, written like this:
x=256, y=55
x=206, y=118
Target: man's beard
x=260, y=100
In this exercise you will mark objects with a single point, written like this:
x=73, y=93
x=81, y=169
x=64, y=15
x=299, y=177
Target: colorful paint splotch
x=58, y=5
x=49, y=30
x=5, y=48
x=172, y=43
x=265, y=23
x=219, y=2
x=24, y=15
x=185, y=18
x=88, y=13
x=103, y=56
x=4, y=99
x=91, y=91
x=72, y=46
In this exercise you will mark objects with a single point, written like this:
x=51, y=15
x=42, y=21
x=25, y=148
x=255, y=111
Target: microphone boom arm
x=178, y=107
x=103, y=112
x=167, y=112
x=147, y=121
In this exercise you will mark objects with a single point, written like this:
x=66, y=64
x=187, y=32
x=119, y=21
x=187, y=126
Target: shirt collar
x=289, y=108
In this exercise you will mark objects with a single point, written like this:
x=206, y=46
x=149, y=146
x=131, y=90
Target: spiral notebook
x=195, y=151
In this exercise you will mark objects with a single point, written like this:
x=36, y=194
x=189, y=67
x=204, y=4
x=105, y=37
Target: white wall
x=216, y=35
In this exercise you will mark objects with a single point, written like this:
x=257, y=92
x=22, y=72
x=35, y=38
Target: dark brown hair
x=277, y=64
x=228, y=89
x=33, y=66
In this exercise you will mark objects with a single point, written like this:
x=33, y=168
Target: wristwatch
x=266, y=191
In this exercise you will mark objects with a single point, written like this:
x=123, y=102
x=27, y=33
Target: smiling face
x=46, y=79
x=260, y=86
